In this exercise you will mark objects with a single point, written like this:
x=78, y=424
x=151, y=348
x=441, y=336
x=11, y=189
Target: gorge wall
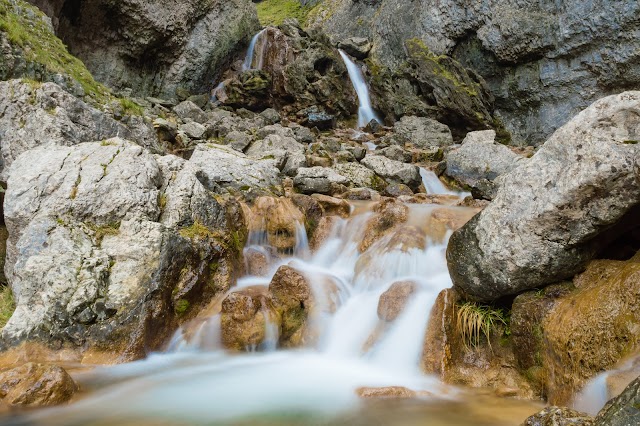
x=543, y=60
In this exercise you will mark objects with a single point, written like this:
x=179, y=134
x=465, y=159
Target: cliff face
x=153, y=47
x=544, y=60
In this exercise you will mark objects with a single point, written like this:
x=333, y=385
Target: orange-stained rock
x=394, y=300
x=386, y=392
x=36, y=385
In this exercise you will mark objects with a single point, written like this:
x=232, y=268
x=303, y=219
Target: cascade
x=249, y=58
x=365, y=111
x=196, y=381
x=433, y=185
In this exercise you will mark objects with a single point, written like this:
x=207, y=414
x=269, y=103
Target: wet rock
x=422, y=132
x=319, y=180
x=36, y=385
x=592, y=328
x=361, y=194
x=489, y=364
x=397, y=190
x=185, y=44
x=623, y=410
x=389, y=213
x=258, y=261
x=393, y=301
x=293, y=298
x=559, y=416
x=323, y=231
x=358, y=47
x=479, y=159
x=244, y=318
x=550, y=214
x=223, y=168
x=394, y=171
x=278, y=218
x=37, y=114
x=333, y=206
x=386, y=392
x=428, y=155
x=187, y=110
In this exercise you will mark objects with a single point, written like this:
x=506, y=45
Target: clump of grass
x=197, y=231
x=7, y=305
x=130, y=107
x=181, y=307
x=102, y=231
x=274, y=12
x=474, y=321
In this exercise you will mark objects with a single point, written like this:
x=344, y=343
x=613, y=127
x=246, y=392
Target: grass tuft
x=474, y=321
x=274, y=12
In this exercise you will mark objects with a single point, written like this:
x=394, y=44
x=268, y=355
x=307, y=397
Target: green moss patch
x=7, y=305
x=274, y=12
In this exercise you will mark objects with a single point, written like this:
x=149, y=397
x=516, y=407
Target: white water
x=433, y=185
x=197, y=382
x=249, y=58
x=365, y=111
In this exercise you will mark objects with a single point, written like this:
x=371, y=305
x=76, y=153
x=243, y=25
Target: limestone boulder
x=320, y=180
x=422, y=132
x=479, y=161
x=555, y=211
x=394, y=171
x=107, y=242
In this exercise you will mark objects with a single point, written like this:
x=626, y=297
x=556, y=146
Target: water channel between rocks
x=197, y=382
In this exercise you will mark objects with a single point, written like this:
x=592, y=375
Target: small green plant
x=162, y=201
x=196, y=231
x=130, y=107
x=181, y=307
x=474, y=321
x=102, y=231
x=7, y=305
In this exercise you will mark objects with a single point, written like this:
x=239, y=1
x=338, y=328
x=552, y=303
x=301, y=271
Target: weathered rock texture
x=552, y=214
x=110, y=247
x=36, y=385
x=154, y=47
x=34, y=114
x=543, y=60
x=623, y=410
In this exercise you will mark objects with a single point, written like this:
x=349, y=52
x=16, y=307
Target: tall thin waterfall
x=249, y=59
x=365, y=111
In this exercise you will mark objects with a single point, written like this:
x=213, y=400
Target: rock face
x=153, y=47
x=591, y=329
x=35, y=114
x=554, y=212
x=299, y=71
x=480, y=161
x=544, y=61
x=110, y=248
x=36, y=385
x=623, y=410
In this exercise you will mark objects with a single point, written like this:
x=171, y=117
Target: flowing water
x=197, y=382
x=251, y=51
x=433, y=185
x=365, y=110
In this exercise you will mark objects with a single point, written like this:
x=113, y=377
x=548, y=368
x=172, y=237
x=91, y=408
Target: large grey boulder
x=223, y=169
x=553, y=212
x=100, y=237
x=33, y=114
x=479, y=161
x=422, y=132
x=360, y=176
x=623, y=410
x=155, y=47
x=394, y=171
x=318, y=180
x=280, y=148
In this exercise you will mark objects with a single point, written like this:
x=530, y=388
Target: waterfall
x=365, y=111
x=197, y=382
x=433, y=185
x=249, y=58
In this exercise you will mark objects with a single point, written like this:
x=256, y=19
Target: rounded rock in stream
x=36, y=385
x=244, y=318
x=394, y=300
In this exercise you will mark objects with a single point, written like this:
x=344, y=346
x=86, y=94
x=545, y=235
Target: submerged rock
x=552, y=213
x=36, y=385
x=292, y=297
x=244, y=319
x=386, y=392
